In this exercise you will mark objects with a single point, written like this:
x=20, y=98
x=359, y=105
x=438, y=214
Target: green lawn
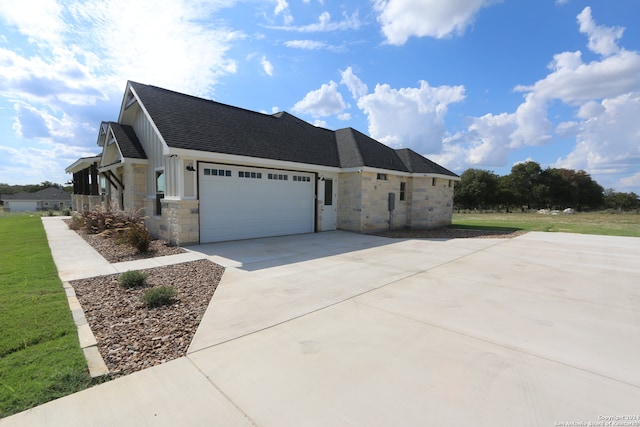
x=40, y=357
x=612, y=224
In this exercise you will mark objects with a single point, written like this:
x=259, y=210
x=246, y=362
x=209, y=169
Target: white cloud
x=409, y=117
x=281, y=6
x=324, y=24
x=605, y=97
x=267, y=66
x=401, y=19
x=357, y=88
x=325, y=101
x=40, y=20
x=630, y=182
x=313, y=45
x=602, y=40
x=76, y=53
x=607, y=138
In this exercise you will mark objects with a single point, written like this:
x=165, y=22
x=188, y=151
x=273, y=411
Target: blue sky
x=468, y=83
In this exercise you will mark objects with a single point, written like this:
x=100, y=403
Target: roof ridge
x=201, y=99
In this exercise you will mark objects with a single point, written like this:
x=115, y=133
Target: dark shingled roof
x=420, y=164
x=357, y=149
x=198, y=124
x=127, y=141
x=192, y=123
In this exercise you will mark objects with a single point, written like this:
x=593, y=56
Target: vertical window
x=433, y=182
x=159, y=181
x=450, y=183
x=402, y=190
x=159, y=191
x=328, y=192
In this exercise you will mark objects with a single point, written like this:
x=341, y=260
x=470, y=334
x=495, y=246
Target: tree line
x=31, y=188
x=528, y=186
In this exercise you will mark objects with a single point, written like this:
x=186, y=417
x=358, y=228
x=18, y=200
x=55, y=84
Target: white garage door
x=244, y=203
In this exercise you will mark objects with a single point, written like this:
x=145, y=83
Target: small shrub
x=158, y=296
x=138, y=236
x=132, y=279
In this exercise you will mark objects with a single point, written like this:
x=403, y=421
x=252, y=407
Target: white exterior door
x=328, y=194
x=244, y=203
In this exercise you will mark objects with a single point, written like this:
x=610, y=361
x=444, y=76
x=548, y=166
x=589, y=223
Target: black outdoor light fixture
x=190, y=168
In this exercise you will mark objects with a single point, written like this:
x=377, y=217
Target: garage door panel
x=235, y=207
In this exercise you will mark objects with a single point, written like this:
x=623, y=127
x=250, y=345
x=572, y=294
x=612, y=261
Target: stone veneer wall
x=430, y=206
x=135, y=187
x=349, y=200
x=363, y=202
x=82, y=202
x=180, y=222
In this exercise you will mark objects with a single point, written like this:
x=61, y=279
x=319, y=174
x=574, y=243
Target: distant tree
x=526, y=184
x=28, y=188
x=621, y=201
x=49, y=184
x=477, y=188
x=559, y=190
x=585, y=192
x=506, y=195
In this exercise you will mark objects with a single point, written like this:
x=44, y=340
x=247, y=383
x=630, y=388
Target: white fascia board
x=80, y=164
x=437, y=175
x=233, y=159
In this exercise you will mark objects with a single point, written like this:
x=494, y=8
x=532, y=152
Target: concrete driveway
x=337, y=329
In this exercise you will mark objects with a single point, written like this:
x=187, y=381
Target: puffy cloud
x=572, y=81
x=356, y=86
x=605, y=96
x=78, y=53
x=409, y=117
x=325, y=101
x=401, y=19
x=607, y=138
x=602, y=40
x=281, y=6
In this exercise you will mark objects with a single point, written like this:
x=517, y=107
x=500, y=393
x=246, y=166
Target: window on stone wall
x=433, y=182
x=402, y=191
x=382, y=176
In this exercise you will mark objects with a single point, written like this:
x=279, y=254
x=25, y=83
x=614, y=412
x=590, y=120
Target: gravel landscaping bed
x=450, y=233
x=114, y=252
x=130, y=336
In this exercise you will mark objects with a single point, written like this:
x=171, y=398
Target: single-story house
x=47, y=199
x=203, y=171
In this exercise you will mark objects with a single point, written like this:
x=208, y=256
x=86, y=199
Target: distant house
x=203, y=171
x=48, y=199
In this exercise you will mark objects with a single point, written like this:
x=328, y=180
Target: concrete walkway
x=344, y=329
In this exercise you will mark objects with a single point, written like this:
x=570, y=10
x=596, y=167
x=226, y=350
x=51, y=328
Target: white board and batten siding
x=245, y=203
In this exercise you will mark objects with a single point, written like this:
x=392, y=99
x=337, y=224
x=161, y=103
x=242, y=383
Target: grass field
x=611, y=224
x=40, y=357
